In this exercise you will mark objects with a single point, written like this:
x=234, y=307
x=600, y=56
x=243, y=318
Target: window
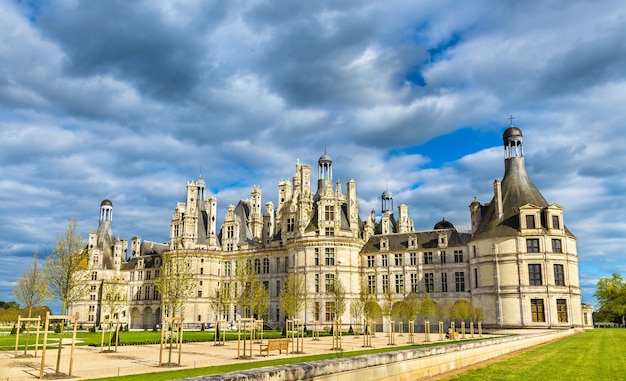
x=429, y=282
x=140, y=275
x=555, y=222
x=286, y=264
x=534, y=275
x=228, y=268
x=444, y=282
x=157, y=273
x=201, y=271
x=93, y=297
x=385, y=283
x=199, y=293
x=330, y=311
x=329, y=213
x=371, y=261
x=277, y=288
x=230, y=231
x=155, y=293
x=556, y=246
x=291, y=224
x=266, y=265
x=399, y=283
x=536, y=310
x=397, y=259
x=442, y=256
x=428, y=257
x=94, y=275
x=371, y=284
x=459, y=281
x=559, y=275
x=148, y=275
x=532, y=245
x=257, y=266
x=329, y=256
x=146, y=294
x=316, y=256
x=413, y=259
x=229, y=247
x=561, y=310
x=458, y=256
x=475, y=278
x=316, y=311
x=385, y=260
x=414, y=282
x=95, y=260
x=278, y=268
x=138, y=295
x=317, y=282
x=329, y=282
x=530, y=221
x=329, y=232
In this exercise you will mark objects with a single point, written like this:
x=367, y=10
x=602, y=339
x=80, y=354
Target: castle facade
x=519, y=263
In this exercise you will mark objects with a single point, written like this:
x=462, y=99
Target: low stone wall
x=408, y=364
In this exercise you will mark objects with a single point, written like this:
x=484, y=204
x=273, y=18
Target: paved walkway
x=89, y=363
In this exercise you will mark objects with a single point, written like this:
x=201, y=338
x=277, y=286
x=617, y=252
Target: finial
x=511, y=119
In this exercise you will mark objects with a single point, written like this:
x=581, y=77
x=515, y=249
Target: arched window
x=266, y=265
x=257, y=266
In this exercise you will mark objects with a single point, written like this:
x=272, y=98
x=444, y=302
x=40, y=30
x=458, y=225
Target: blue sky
x=130, y=100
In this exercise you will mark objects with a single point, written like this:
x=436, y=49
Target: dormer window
x=329, y=213
x=530, y=221
x=556, y=223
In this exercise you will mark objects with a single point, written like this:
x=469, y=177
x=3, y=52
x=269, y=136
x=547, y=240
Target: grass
x=599, y=354
x=221, y=369
x=126, y=338
x=593, y=355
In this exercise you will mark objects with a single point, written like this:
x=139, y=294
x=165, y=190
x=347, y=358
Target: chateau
x=519, y=263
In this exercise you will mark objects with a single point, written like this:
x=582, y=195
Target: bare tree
x=176, y=284
x=31, y=290
x=67, y=268
x=250, y=294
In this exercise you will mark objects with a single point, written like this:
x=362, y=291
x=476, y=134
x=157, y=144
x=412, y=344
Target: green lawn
x=126, y=338
x=592, y=355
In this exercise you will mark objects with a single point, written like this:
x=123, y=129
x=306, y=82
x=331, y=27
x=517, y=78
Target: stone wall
x=401, y=365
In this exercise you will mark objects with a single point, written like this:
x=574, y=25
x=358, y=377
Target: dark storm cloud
x=132, y=41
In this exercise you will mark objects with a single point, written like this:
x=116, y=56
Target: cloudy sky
x=130, y=100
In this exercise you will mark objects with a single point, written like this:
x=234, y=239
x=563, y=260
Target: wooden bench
x=274, y=345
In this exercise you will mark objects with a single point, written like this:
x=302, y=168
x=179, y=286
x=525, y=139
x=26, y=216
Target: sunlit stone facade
x=519, y=262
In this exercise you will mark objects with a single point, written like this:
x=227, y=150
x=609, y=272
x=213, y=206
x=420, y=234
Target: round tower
x=324, y=170
x=387, y=201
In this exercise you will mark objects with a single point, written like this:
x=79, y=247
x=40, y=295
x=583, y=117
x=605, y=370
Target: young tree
x=611, y=295
x=32, y=288
x=356, y=310
x=337, y=295
x=67, y=271
x=176, y=284
x=411, y=310
x=67, y=268
x=219, y=303
x=250, y=294
x=293, y=296
x=114, y=299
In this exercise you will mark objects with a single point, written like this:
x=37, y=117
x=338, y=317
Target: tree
x=293, y=296
x=114, y=299
x=67, y=271
x=337, y=295
x=250, y=294
x=611, y=295
x=67, y=268
x=176, y=284
x=32, y=288
x=356, y=310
